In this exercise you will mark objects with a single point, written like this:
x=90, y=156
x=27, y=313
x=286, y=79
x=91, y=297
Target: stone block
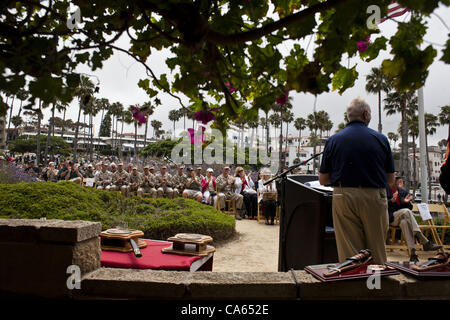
x=241, y=285
x=132, y=284
x=311, y=288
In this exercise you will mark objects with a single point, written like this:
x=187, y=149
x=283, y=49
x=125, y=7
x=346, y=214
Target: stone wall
x=36, y=254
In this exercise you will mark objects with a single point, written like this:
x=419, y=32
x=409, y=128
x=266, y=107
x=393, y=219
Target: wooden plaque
x=190, y=244
x=115, y=240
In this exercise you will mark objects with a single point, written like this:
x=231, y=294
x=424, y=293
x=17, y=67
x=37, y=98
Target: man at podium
x=358, y=163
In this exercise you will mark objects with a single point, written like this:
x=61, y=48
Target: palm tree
x=341, y=126
x=392, y=137
x=288, y=117
x=126, y=116
x=156, y=126
x=117, y=111
x=22, y=95
x=328, y=126
x=313, y=122
x=376, y=82
x=264, y=123
x=149, y=109
x=84, y=92
x=444, y=115
x=413, y=131
x=174, y=116
x=300, y=124
x=431, y=123
x=401, y=102
x=103, y=105
x=253, y=124
x=275, y=121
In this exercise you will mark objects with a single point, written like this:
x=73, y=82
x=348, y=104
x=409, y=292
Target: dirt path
x=255, y=249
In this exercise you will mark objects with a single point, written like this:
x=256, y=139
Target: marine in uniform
x=148, y=183
x=193, y=186
x=121, y=180
x=103, y=179
x=164, y=183
x=226, y=186
x=179, y=181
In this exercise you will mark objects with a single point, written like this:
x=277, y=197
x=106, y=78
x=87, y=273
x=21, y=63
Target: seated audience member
x=103, y=179
x=400, y=215
x=209, y=188
x=121, y=180
x=193, y=186
x=51, y=174
x=267, y=197
x=73, y=173
x=135, y=181
x=226, y=191
x=179, y=181
x=32, y=170
x=164, y=183
x=89, y=173
x=198, y=172
x=148, y=183
x=244, y=185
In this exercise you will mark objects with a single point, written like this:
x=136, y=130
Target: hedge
x=157, y=218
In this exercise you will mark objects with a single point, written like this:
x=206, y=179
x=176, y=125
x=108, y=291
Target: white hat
x=209, y=170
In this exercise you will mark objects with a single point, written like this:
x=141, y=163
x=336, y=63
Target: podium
x=306, y=225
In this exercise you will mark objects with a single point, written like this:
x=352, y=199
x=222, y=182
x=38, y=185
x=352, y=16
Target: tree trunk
x=47, y=143
x=63, y=123
x=75, y=140
x=91, y=125
x=379, y=112
x=174, y=137
x=38, y=137
x=267, y=131
x=120, y=144
x=145, y=136
x=9, y=121
x=428, y=168
x=184, y=119
x=286, y=144
x=414, y=182
x=103, y=111
x=135, y=141
x=280, y=156
x=404, y=151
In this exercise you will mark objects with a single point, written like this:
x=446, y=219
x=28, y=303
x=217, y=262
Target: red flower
x=205, y=116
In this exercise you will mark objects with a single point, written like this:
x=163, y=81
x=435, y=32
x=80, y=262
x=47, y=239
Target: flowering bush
x=10, y=174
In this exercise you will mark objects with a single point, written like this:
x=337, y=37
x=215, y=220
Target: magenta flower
x=138, y=114
x=205, y=116
x=283, y=99
x=195, y=138
x=230, y=87
x=363, y=45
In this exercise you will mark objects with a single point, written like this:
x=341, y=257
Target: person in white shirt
x=244, y=186
x=269, y=205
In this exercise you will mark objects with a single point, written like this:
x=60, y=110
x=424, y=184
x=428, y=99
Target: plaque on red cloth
x=361, y=272
x=153, y=258
x=405, y=266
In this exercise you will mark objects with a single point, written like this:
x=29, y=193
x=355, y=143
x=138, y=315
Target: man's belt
x=440, y=260
x=363, y=257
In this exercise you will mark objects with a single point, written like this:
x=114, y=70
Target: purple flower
x=363, y=45
x=230, y=87
x=283, y=99
x=138, y=114
x=195, y=139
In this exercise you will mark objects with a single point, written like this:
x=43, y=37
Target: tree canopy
x=225, y=52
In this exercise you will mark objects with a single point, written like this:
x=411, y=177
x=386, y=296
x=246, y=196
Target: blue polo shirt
x=357, y=156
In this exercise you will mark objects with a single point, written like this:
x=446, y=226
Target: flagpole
x=423, y=151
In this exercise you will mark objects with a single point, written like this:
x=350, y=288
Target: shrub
x=157, y=218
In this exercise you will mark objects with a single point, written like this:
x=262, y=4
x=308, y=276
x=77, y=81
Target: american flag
x=394, y=10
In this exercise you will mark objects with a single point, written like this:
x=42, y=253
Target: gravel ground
x=255, y=249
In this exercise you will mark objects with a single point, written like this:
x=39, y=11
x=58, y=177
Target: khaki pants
x=192, y=194
x=161, y=191
x=123, y=189
x=361, y=221
x=404, y=218
x=221, y=197
x=150, y=190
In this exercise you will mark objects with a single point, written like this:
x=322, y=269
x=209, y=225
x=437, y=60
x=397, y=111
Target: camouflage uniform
x=164, y=189
x=148, y=185
x=178, y=180
x=103, y=180
x=194, y=190
x=120, y=185
x=136, y=182
x=225, y=191
x=89, y=174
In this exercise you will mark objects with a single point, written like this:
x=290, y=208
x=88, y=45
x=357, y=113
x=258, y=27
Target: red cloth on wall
x=152, y=258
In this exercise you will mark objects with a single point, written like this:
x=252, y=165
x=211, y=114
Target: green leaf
x=344, y=78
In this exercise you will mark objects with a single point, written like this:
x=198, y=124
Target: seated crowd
x=186, y=182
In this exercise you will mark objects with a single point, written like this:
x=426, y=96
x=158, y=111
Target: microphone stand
x=283, y=176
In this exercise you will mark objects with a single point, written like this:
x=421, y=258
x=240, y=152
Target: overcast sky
x=120, y=75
